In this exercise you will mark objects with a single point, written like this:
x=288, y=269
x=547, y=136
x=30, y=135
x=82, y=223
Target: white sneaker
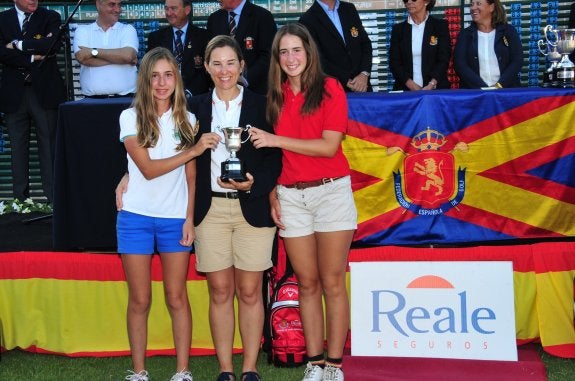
x=140, y=376
x=332, y=373
x=184, y=375
x=312, y=373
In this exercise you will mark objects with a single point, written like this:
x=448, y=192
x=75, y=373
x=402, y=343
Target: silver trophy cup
x=233, y=168
x=564, y=40
x=550, y=51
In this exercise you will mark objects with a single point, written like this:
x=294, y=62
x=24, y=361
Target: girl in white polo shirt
x=158, y=206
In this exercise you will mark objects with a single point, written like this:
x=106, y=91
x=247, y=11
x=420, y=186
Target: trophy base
x=564, y=77
x=233, y=170
x=547, y=79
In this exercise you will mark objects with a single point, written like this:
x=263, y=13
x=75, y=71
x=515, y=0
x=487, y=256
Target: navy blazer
x=435, y=53
x=341, y=59
x=193, y=71
x=46, y=78
x=255, y=33
x=263, y=164
x=508, y=50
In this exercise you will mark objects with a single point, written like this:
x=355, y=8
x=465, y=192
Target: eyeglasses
x=406, y=1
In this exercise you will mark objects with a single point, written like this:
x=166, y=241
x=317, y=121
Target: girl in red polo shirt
x=313, y=202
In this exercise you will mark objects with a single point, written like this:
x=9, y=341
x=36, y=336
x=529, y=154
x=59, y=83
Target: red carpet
x=528, y=368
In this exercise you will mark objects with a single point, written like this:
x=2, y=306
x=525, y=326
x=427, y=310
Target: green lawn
x=17, y=365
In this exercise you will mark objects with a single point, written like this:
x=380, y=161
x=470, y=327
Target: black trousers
x=19, y=125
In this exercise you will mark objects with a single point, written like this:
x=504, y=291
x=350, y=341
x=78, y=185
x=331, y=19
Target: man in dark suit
x=31, y=88
x=193, y=45
x=344, y=46
x=254, y=30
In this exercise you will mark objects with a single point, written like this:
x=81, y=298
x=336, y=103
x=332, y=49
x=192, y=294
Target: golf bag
x=283, y=337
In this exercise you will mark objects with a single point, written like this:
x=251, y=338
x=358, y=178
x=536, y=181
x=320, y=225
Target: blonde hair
x=312, y=78
x=147, y=127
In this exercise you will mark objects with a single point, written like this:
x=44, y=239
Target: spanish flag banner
x=75, y=304
x=462, y=166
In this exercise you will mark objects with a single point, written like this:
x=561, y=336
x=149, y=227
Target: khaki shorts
x=325, y=208
x=225, y=239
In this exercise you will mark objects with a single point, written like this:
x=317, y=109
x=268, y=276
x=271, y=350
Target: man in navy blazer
x=194, y=41
x=263, y=164
x=345, y=49
x=31, y=88
x=255, y=31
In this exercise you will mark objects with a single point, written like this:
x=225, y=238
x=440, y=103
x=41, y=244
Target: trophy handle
x=247, y=128
x=549, y=29
x=543, y=51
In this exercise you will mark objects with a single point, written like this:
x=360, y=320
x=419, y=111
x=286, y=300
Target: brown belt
x=230, y=195
x=314, y=183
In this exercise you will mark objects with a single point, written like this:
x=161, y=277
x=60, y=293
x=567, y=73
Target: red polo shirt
x=331, y=115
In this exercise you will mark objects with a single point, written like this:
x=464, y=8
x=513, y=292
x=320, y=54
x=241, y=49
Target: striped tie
x=25, y=23
x=179, y=51
x=26, y=73
x=232, y=24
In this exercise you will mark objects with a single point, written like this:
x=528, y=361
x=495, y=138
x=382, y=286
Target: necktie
x=179, y=51
x=232, y=24
x=25, y=22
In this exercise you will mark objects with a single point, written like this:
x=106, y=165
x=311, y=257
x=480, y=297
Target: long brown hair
x=312, y=78
x=148, y=130
x=498, y=16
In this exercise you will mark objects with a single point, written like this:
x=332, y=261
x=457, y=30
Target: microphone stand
x=62, y=34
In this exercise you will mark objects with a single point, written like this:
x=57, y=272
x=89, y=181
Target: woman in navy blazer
x=234, y=228
x=496, y=67
x=263, y=166
x=434, y=53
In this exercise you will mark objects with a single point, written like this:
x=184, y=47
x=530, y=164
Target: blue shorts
x=138, y=234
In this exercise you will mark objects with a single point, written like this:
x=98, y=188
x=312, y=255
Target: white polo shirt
x=109, y=79
x=165, y=196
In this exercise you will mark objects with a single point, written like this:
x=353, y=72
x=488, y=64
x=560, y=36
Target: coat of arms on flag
x=429, y=175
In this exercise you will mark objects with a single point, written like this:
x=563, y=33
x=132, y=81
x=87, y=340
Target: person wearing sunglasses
x=488, y=53
x=420, y=49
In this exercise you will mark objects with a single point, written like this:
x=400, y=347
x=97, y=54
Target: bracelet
x=365, y=73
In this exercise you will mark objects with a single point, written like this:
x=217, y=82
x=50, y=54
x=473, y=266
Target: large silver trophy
x=549, y=50
x=233, y=168
x=564, y=40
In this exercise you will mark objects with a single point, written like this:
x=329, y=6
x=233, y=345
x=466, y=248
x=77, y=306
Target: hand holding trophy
x=233, y=168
